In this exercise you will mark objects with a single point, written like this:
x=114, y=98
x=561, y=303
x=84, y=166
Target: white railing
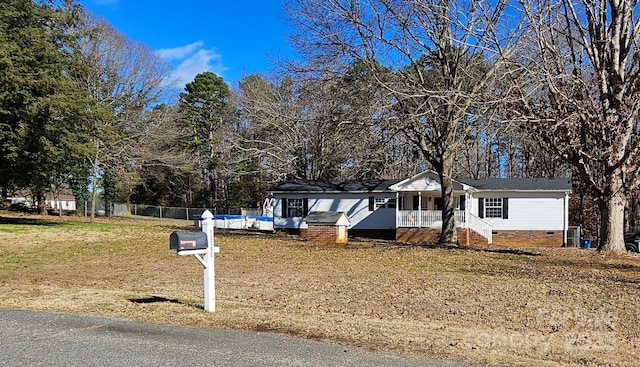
x=426, y=218
x=433, y=219
x=482, y=227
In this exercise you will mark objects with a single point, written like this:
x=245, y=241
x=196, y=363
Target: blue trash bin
x=585, y=243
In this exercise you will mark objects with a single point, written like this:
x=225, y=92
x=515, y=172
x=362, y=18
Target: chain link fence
x=250, y=218
x=163, y=212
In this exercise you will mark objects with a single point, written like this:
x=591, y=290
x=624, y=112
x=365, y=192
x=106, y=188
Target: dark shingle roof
x=330, y=218
x=515, y=184
x=519, y=184
x=335, y=186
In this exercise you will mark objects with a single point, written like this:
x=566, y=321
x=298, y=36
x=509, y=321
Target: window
x=391, y=203
x=493, y=208
x=381, y=203
x=294, y=208
x=424, y=202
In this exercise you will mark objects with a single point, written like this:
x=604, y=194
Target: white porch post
x=565, y=225
x=208, y=262
x=397, y=210
x=467, y=207
x=467, y=215
x=419, y=209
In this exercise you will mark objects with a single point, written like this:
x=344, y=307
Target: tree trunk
x=612, y=216
x=42, y=205
x=632, y=214
x=449, y=234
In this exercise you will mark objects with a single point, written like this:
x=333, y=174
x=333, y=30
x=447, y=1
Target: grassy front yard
x=527, y=307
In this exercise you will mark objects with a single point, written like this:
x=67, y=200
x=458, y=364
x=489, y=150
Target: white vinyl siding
x=527, y=211
x=354, y=205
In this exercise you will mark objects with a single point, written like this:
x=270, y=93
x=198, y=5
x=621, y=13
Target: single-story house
x=64, y=203
x=504, y=211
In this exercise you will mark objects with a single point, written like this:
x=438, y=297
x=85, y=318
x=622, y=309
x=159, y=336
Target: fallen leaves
x=490, y=305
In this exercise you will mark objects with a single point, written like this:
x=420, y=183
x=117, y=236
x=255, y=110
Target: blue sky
x=229, y=38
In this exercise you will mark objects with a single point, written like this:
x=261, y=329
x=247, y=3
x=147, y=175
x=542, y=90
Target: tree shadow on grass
x=496, y=250
x=29, y=221
x=618, y=268
x=159, y=299
x=509, y=251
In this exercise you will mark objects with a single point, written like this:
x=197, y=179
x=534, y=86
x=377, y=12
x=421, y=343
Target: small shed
x=327, y=227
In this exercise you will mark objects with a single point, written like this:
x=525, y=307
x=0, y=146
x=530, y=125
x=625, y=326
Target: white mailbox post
x=209, y=264
x=205, y=256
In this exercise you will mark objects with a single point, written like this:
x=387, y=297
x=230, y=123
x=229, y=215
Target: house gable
x=424, y=181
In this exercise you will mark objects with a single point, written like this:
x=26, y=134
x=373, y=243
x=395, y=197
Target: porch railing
x=426, y=218
x=482, y=227
x=433, y=219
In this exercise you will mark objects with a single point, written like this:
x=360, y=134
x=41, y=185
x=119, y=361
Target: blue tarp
x=230, y=217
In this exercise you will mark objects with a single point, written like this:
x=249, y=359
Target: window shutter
x=305, y=207
x=371, y=203
x=481, y=207
x=505, y=208
x=284, y=208
x=416, y=202
x=462, y=202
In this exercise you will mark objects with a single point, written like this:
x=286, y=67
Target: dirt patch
x=523, y=307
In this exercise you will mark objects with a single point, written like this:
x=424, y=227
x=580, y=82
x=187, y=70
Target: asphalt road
x=29, y=338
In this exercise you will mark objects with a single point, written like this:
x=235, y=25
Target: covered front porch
x=433, y=219
x=420, y=206
x=427, y=218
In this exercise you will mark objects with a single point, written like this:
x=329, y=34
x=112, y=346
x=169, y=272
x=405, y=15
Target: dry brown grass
x=527, y=307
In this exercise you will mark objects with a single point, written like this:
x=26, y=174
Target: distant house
x=64, y=203
x=512, y=212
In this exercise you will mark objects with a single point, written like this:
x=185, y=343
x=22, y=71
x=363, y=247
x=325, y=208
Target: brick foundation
x=432, y=235
x=325, y=234
x=416, y=235
x=528, y=238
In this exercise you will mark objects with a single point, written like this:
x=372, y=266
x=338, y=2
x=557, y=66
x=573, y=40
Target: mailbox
x=183, y=241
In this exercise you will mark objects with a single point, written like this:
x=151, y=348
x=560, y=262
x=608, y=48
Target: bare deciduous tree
x=435, y=59
x=125, y=78
x=320, y=128
x=292, y=127
x=583, y=72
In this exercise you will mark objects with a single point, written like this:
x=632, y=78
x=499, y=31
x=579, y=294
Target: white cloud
x=179, y=52
x=191, y=60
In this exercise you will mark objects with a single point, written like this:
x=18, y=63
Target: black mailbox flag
x=182, y=241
